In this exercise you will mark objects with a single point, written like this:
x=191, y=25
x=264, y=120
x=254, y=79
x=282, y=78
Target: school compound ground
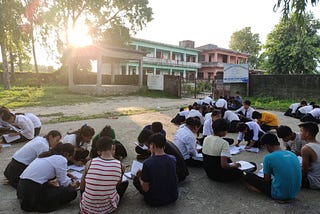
x=197, y=194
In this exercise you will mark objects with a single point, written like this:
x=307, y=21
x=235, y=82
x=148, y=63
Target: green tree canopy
x=293, y=49
x=246, y=42
x=297, y=7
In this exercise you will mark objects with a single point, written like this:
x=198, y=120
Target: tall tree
x=246, y=42
x=293, y=49
x=297, y=7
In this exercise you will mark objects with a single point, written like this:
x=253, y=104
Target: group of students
x=39, y=169
x=304, y=111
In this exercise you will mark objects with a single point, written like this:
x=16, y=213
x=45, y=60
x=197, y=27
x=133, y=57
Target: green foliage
x=293, y=49
x=44, y=96
x=246, y=42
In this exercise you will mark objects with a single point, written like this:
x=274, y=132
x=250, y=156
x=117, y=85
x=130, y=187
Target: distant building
x=164, y=58
x=212, y=59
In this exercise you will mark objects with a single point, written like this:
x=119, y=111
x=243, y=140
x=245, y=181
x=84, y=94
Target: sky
x=210, y=21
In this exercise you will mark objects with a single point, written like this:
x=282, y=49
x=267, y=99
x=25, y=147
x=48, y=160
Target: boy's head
x=308, y=130
x=270, y=141
x=156, y=127
x=303, y=103
x=256, y=115
x=246, y=104
x=220, y=127
x=193, y=123
x=242, y=127
x=284, y=132
x=144, y=136
x=216, y=114
x=157, y=140
x=106, y=131
x=8, y=117
x=105, y=144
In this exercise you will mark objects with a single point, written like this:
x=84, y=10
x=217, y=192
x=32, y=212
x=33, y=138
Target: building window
x=202, y=58
x=200, y=75
x=225, y=58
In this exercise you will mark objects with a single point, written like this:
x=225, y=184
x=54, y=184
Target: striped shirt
x=100, y=194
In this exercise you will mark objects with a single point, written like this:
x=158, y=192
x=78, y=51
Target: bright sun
x=79, y=36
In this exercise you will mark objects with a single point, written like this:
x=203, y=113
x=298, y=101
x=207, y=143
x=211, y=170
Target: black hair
x=104, y=143
x=53, y=133
x=310, y=127
x=256, y=115
x=193, y=122
x=269, y=139
x=215, y=112
x=284, y=131
x=85, y=130
x=220, y=125
x=247, y=102
x=7, y=115
x=59, y=149
x=158, y=140
x=144, y=136
x=156, y=127
x=4, y=110
x=241, y=127
x=303, y=102
x=106, y=132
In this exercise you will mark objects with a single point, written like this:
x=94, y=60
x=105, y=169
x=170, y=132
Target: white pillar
x=140, y=73
x=99, y=76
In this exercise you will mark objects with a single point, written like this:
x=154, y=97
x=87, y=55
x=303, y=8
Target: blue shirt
x=286, y=171
x=160, y=172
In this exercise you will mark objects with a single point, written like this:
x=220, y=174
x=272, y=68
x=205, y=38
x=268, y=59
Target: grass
x=43, y=96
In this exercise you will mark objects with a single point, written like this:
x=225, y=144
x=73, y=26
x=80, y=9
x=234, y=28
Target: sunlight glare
x=79, y=36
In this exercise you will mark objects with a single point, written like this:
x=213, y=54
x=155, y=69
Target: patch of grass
x=43, y=96
x=100, y=116
x=153, y=94
x=58, y=114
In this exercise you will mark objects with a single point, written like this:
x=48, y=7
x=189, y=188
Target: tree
x=293, y=49
x=297, y=7
x=246, y=42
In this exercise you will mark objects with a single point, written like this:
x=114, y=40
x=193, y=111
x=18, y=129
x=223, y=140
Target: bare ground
x=197, y=193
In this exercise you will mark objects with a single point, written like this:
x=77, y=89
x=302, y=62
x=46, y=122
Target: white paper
x=234, y=150
x=128, y=175
x=144, y=147
x=76, y=168
x=245, y=165
x=198, y=147
x=10, y=139
x=124, y=178
x=136, y=166
x=260, y=173
x=253, y=149
x=76, y=174
x=198, y=157
x=6, y=145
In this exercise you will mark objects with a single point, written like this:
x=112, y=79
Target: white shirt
x=305, y=109
x=294, y=107
x=184, y=113
x=25, y=125
x=207, y=116
x=252, y=126
x=221, y=103
x=315, y=113
x=296, y=144
x=31, y=150
x=43, y=169
x=207, y=127
x=230, y=116
x=208, y=100
x=195, y=113
x=35, y=120
x=186, y=142
x=250, y=110
x=71, y=138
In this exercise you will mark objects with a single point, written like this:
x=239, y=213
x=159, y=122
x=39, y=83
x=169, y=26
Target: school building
x=213, y=58
x=163, y=58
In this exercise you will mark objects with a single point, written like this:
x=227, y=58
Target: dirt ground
x=196, y=194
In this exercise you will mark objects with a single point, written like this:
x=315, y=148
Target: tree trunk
x=6, y=76
x=12, y=66
x=34, y=52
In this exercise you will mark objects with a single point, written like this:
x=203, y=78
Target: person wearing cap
x=245, y=112
x=282, y=172
x=310, y=155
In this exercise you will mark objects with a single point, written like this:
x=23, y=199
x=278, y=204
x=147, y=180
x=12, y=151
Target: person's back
x=269, y=119
x=100, y=195
x=181, y=167
x=160, y=172
x=285, y=168
x=314, y=173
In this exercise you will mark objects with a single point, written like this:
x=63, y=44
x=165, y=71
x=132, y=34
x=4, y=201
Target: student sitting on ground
x=291, y=140
x=44, y=185
x=5, y=127
x=302, y=111
x=107, y=131
x=101, y=182
x=35, y=121
x=221, y=103
x=80, y=139
x=24, y=124
x=312, y=116
x=216, y=155
x=291, y=111
x=186, y=141
x=310, y=155
x=30, y=151
x=282, y=173
x=250, y=132
x=157, y=181
x=232, y=118
x=180, y=118
x=266, y=120
x=245, y=112
x=170, y=149
x=195, y=112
